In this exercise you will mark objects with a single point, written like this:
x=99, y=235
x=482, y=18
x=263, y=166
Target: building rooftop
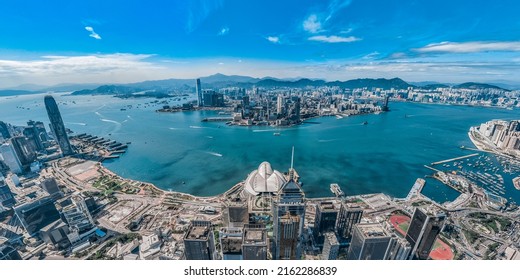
x=372, y=230
x=327, y=206
x=199, y=230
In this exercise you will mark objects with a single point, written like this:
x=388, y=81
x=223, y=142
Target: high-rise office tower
x=279, y=104
x=50, y=185
x=424, y=228
x=231, y=243
x=6, y=196
x=4, y=130
x=58, y=128
x=11, y=158
x=36, y=133
x=288, y=219
x=36, y=214
x=297, y=109
x=325, y=220
x=199, y=243
x=254, y=243
x=75, y=213
x=369, y=242
x=199, y=94
x=330, y=246
x=235, y=213
x=385, y=105
x=399, y=249
x=348, y=216
x=25, y=151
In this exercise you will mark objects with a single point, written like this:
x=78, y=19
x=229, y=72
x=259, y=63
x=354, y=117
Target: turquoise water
x=167, y=149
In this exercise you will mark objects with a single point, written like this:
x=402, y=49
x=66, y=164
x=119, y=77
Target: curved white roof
x=264, y=180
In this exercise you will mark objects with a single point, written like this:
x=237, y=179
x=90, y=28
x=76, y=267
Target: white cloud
x=312, y=24
x=223, y=31
x=92, y=34
x=371, y=55
x=273, y=39
x=334, y=39
x=470, y=47
x=52, y=69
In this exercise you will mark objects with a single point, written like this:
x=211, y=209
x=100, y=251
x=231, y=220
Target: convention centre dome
x=264, y=180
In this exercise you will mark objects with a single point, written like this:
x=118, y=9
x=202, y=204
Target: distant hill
x=434, y=86
x=479, y=86
x=168, y=86
x=107, y=90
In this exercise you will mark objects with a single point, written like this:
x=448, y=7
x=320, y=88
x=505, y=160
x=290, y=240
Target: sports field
x=440, y=251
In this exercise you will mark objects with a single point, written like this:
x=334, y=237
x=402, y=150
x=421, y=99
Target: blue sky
x=51, y=42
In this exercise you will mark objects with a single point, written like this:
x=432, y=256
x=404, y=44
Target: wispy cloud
x=312, y=24
x=336, y=6
x=334, y=39
x=371, y=55
x=93, y=33
x=223, y=31
x=470, y=47
x=273, y=39
x=198, y=11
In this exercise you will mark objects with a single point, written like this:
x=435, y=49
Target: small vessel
x=276, y=134
x=365, y=123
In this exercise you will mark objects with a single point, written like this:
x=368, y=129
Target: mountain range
x=220, y=80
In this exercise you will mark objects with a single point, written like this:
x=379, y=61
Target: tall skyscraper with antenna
x=199, y=94
x=57, y=126
x=288, y=219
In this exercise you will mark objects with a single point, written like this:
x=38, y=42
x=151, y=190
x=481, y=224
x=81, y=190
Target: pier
x=416, y=188
x=454, y=159
x=218, y=119
x=431, y=168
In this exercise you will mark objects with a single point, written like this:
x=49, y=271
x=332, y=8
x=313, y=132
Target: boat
x=276, y=134
x=365, y=123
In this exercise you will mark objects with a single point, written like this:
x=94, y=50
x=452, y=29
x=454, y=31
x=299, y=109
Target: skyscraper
x=199, y=243
x=58, y=128
x=288, y=220
x=348, y=216
x=6, y=196
x=50, y=185
x=231, y=243
x=11, y=158
x=199, y=94
x=24, y=150
x=399, y=248
x=37, y=214
x=324, y=221
x=330, y=246
x=279, y=104
x=75, y=213
x=36, y=133
x=369, y=242
x=254, y=243
x=424, y=228
x=4, y=130
x=385, y=105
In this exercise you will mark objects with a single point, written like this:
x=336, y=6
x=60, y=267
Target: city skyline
x=333, y=40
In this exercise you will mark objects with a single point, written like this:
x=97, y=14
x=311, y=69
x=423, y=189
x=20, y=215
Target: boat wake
x=265, y=130
x=77, y=123
x=214, y=154
x=110, y=121
x=210, y=137
x=197, y=127
x=326, y=140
